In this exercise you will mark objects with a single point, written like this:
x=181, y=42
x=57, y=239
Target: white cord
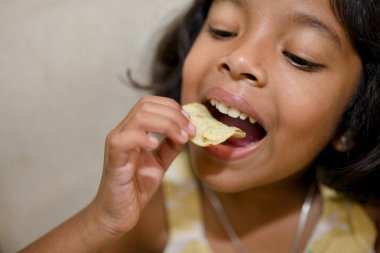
x=219, y=210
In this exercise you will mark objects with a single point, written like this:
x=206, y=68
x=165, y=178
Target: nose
x=244, y=63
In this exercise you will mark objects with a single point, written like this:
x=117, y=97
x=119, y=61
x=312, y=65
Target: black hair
x=356, y=173
x=166, y=68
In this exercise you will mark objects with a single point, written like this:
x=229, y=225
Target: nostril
x=238, y=75
x=250, y=76
x=225, y=67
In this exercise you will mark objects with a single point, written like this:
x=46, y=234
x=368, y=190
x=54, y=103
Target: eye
x=220, y=34
x=301, y=63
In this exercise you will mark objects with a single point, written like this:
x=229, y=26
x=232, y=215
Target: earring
x=344, y=142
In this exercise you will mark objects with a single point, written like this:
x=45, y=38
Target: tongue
x=254, y=132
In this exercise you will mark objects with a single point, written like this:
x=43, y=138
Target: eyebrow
x=312, y=21
x=236, y=2
x=304, y=19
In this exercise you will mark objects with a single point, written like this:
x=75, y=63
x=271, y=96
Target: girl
x=301, y=78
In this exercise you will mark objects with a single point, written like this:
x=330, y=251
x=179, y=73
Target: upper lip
x=233, y=101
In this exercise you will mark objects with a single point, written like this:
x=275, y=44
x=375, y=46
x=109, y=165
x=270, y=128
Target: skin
x=245, y=58
x=134, y=164
x=249, y=71
x=249, y=60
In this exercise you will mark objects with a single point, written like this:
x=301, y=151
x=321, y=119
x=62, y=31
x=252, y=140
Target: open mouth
x=233, y=117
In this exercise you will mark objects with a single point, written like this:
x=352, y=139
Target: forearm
x=81, y=233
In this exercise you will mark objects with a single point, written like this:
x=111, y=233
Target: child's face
x=287, y=64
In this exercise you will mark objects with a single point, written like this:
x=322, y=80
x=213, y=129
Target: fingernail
x=185, y=114
x=153, y=142
x=184, y=136
x=191, y=128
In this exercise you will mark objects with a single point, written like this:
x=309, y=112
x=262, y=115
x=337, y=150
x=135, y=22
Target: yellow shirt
x=343, y=226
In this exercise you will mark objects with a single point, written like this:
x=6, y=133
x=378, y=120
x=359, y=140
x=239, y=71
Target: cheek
x=318, y=98
x=312, y=124
x=316, y=109
x=190, y=78
x=311, y=116
x=310, y=108
x=199, y=64
x=301, y=134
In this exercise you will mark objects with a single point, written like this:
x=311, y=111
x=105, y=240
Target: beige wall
x=60, y=94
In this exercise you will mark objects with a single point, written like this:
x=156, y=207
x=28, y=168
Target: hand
x=135, y=162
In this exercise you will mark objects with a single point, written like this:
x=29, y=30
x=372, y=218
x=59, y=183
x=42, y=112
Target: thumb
x=167, y=151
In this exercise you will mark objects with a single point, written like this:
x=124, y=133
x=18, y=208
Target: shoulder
x=361, y=220
x=374, y=214
x=150, y=234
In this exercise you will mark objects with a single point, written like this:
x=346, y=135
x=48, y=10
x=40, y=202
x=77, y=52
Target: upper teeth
x=232, y=112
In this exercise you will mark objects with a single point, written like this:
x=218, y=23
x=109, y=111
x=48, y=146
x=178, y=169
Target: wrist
x=106, y=227
x=99, y=232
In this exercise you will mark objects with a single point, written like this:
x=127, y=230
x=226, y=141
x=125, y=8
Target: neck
x=253, y=227
x=285, y=195
x=275, y=203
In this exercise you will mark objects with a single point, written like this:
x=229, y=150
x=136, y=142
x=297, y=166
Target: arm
x=134, y=164
x=80, y=233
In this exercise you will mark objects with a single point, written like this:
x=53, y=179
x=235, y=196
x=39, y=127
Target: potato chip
x=209, y=131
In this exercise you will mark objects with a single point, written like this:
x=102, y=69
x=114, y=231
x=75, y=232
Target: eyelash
x=301, y=63
x=220, y=34
x=295, y=60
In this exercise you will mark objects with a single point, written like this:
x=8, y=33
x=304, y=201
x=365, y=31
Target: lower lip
x=225, y=152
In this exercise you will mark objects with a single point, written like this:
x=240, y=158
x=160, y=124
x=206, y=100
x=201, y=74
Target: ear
x=343, y=142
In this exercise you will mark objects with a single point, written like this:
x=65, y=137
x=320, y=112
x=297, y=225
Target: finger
x=125, y=173
x=136, y=135
x=120, y=144
x=144, y=102
x=167, y=152
x=147, y=122
x=166, y=106
x=146, y=110
x=160, y=100
x=148, y=176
